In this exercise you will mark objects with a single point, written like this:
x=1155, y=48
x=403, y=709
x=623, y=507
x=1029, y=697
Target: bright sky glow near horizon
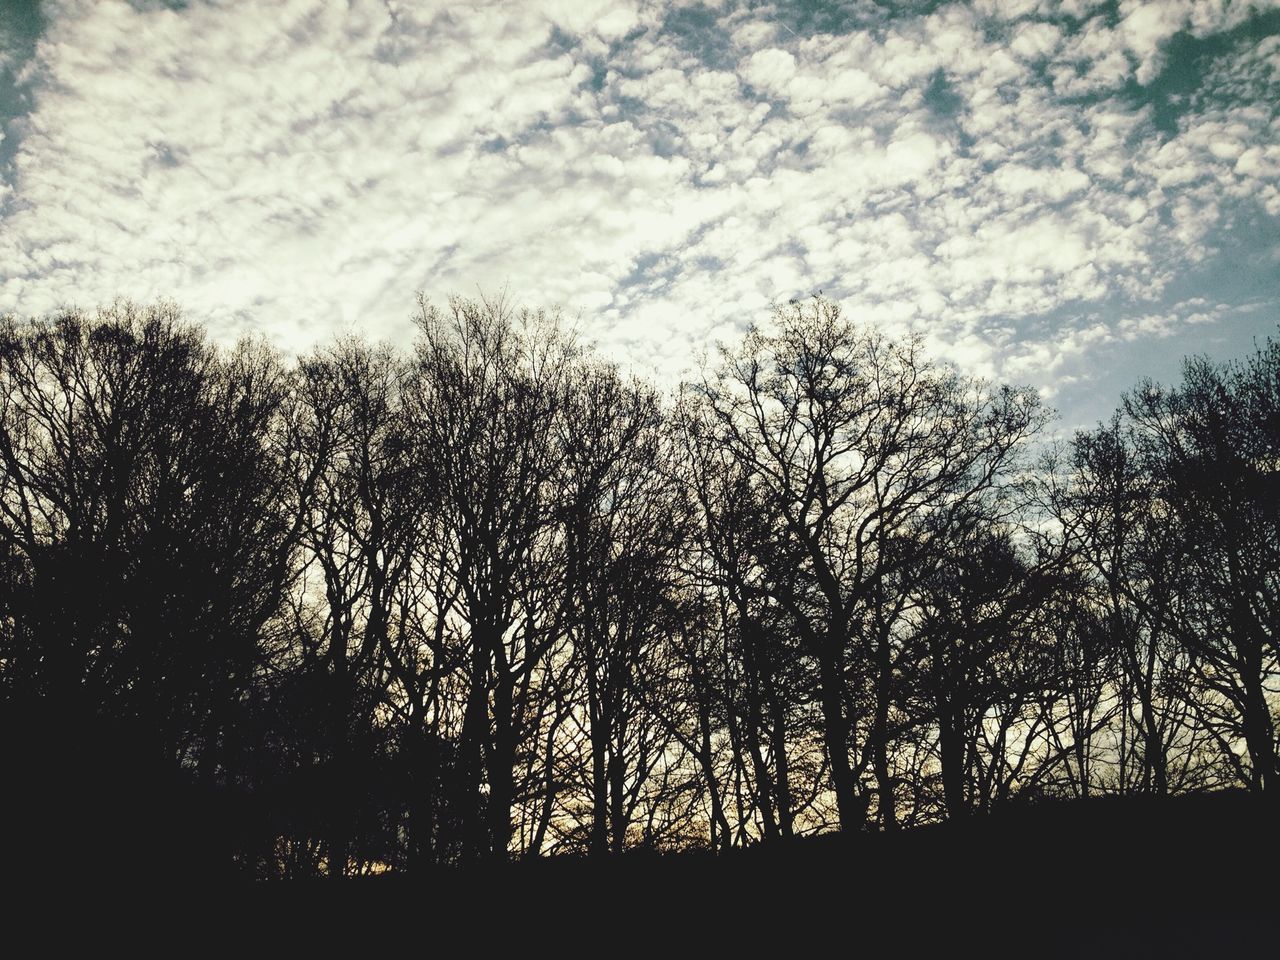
x=1070, y=195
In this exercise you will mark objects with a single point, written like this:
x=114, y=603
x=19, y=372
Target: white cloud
x=770, y=70
x=303, y=171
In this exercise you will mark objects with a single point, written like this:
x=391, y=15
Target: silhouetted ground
x=1132, y=877
x=93, y=841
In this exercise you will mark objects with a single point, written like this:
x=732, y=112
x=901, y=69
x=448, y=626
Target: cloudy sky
x=1063, y=194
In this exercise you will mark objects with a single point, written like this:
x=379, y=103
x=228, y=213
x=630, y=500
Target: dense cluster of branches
x=489, y=597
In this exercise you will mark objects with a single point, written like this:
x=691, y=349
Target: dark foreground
x=1187, y=876
x=1191, y=876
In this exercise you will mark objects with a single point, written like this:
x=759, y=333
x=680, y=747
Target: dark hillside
x=1192, y=875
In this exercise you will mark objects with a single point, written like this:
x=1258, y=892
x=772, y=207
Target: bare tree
x=489, y=387
x=624, y=533
x=138, y=475
x=851, y=439
x=973, y=645
x=1210, y=449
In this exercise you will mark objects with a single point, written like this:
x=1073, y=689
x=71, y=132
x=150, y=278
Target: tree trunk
x=475, y=725
x=952, y=750
x=783, y=768
x=880, y=735
x=502, y=767
x=719, y=827
x=617, y=799
x=836, y=739
x=599, y=843
x=750, y=633
x=1258, y=731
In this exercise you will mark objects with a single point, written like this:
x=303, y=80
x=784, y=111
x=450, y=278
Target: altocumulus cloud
x=1046, y=190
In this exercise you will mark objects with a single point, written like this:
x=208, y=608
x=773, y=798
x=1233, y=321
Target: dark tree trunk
x=617, y=800
x=502, y=767
x=836, y=739
x=880, y=735
x=750, y=633
x=783, y=767
x=471, y=767
x=599, y=843
x=720, y=838
x=953, y=749
x=1258, y=730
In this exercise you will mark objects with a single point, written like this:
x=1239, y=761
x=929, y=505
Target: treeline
x=488, y=597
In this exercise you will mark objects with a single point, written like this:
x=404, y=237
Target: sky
x=1070, y=195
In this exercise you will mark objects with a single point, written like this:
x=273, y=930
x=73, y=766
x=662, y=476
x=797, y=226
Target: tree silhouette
x=1210, y=449
x=852, y=439
x=378, y=609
